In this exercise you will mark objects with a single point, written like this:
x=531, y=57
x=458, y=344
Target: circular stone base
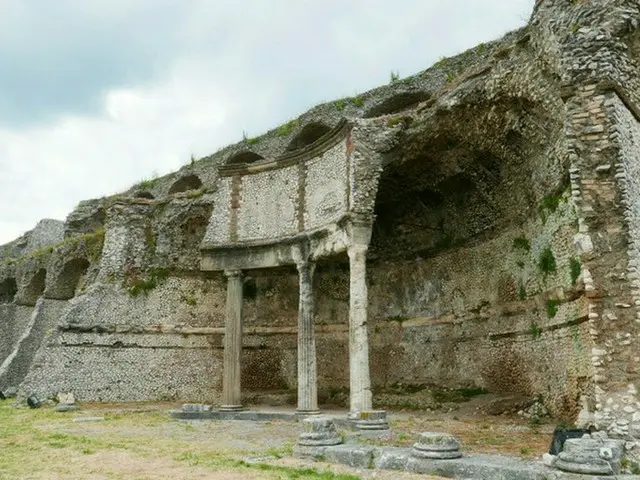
x=441, y=455
x=307, y=413
x=323, y=442
x=597, y=467
x=231, y=408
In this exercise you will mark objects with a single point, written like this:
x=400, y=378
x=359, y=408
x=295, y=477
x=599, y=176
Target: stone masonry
x=473, y=226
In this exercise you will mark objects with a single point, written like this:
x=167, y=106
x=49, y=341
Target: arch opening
x=184, y=184
x=193, y=231
x=396, y=104
x=144, y=194
x=35, y=288
x=69, y=279
x=309, y=134
x=244, y=157
x=8, y=290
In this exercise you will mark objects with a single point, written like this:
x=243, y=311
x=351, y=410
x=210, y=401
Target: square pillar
x=307, y=369
x=231, y=400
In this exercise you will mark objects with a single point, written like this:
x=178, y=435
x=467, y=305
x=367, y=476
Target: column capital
x=305, y=264
x=233, y=273
x=357, y=249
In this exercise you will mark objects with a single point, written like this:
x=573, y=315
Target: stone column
x=361, y=406
x=232, y=343
x=307, y=372
x=359, y=378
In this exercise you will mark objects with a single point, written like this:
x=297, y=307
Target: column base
x=302, y=414
x=369, y=420
x=231, y=408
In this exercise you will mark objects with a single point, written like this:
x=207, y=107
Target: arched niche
x=34, y=288
x=67, y=282
x=144, y=194
x=244, y=158
x=8, y=290
x=193, y=230
x=309, y=134
x=396, y=103
x=184, y=184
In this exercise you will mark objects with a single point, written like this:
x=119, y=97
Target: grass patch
x=547, y=262
x=287, y=128
x=137, y=286
x=575, y=268
x=522, y=243
x=393, y=121
x=215, y=461
x=189, y=299
x=148, y=183
x=522, y=292
x=394, y=77
x=552, y=308
x=535, y=331
x=358, y=101
x=340, y=104
x=551, y=202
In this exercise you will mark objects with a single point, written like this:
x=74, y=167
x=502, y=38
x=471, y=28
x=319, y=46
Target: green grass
x=547, y=262
x=552, y=308
x=394, y=77
x=148, y=183
x=535, y=331
x=522, y=243
x=522, y=292
x=393, y=121
x=43, y=441
x=575, y=268
x=358, y=101
x=287, y=128
x=215, y=461
x=137, y=286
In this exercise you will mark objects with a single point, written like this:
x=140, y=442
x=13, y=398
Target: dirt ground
x=141, y=442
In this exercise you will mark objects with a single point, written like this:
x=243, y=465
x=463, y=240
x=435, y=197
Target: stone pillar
x=307, y=372
x=359, y=378
x=232, y=343
x=360, y=398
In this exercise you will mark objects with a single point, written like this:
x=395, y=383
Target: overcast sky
x=96, y=95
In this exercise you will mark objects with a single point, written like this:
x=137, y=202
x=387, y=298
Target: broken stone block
x=319, y=432
x=591, y=456
x=195, y=408
x=11, y=392
x=370, y=420
x=439, y=446
x=64, y=407
x=66, y=398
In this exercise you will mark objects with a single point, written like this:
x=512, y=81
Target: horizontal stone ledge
x=186, y=330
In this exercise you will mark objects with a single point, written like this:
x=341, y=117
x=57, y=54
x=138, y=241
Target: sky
x=98, y=95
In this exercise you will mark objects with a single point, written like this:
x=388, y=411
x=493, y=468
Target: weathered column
x=359, y=377
x=361, y=405
x=232, y=343
x=307, y=372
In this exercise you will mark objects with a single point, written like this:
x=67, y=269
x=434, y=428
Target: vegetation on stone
x=522, y=243
x=547, y=262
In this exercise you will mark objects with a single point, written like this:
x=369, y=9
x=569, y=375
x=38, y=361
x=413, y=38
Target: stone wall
x=505, y=252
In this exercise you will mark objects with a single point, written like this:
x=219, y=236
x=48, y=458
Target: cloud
x=95, y=96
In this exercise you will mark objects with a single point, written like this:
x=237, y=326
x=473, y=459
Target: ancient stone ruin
x=473, y=226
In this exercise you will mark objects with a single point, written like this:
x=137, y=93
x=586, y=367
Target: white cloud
x=227, y=68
